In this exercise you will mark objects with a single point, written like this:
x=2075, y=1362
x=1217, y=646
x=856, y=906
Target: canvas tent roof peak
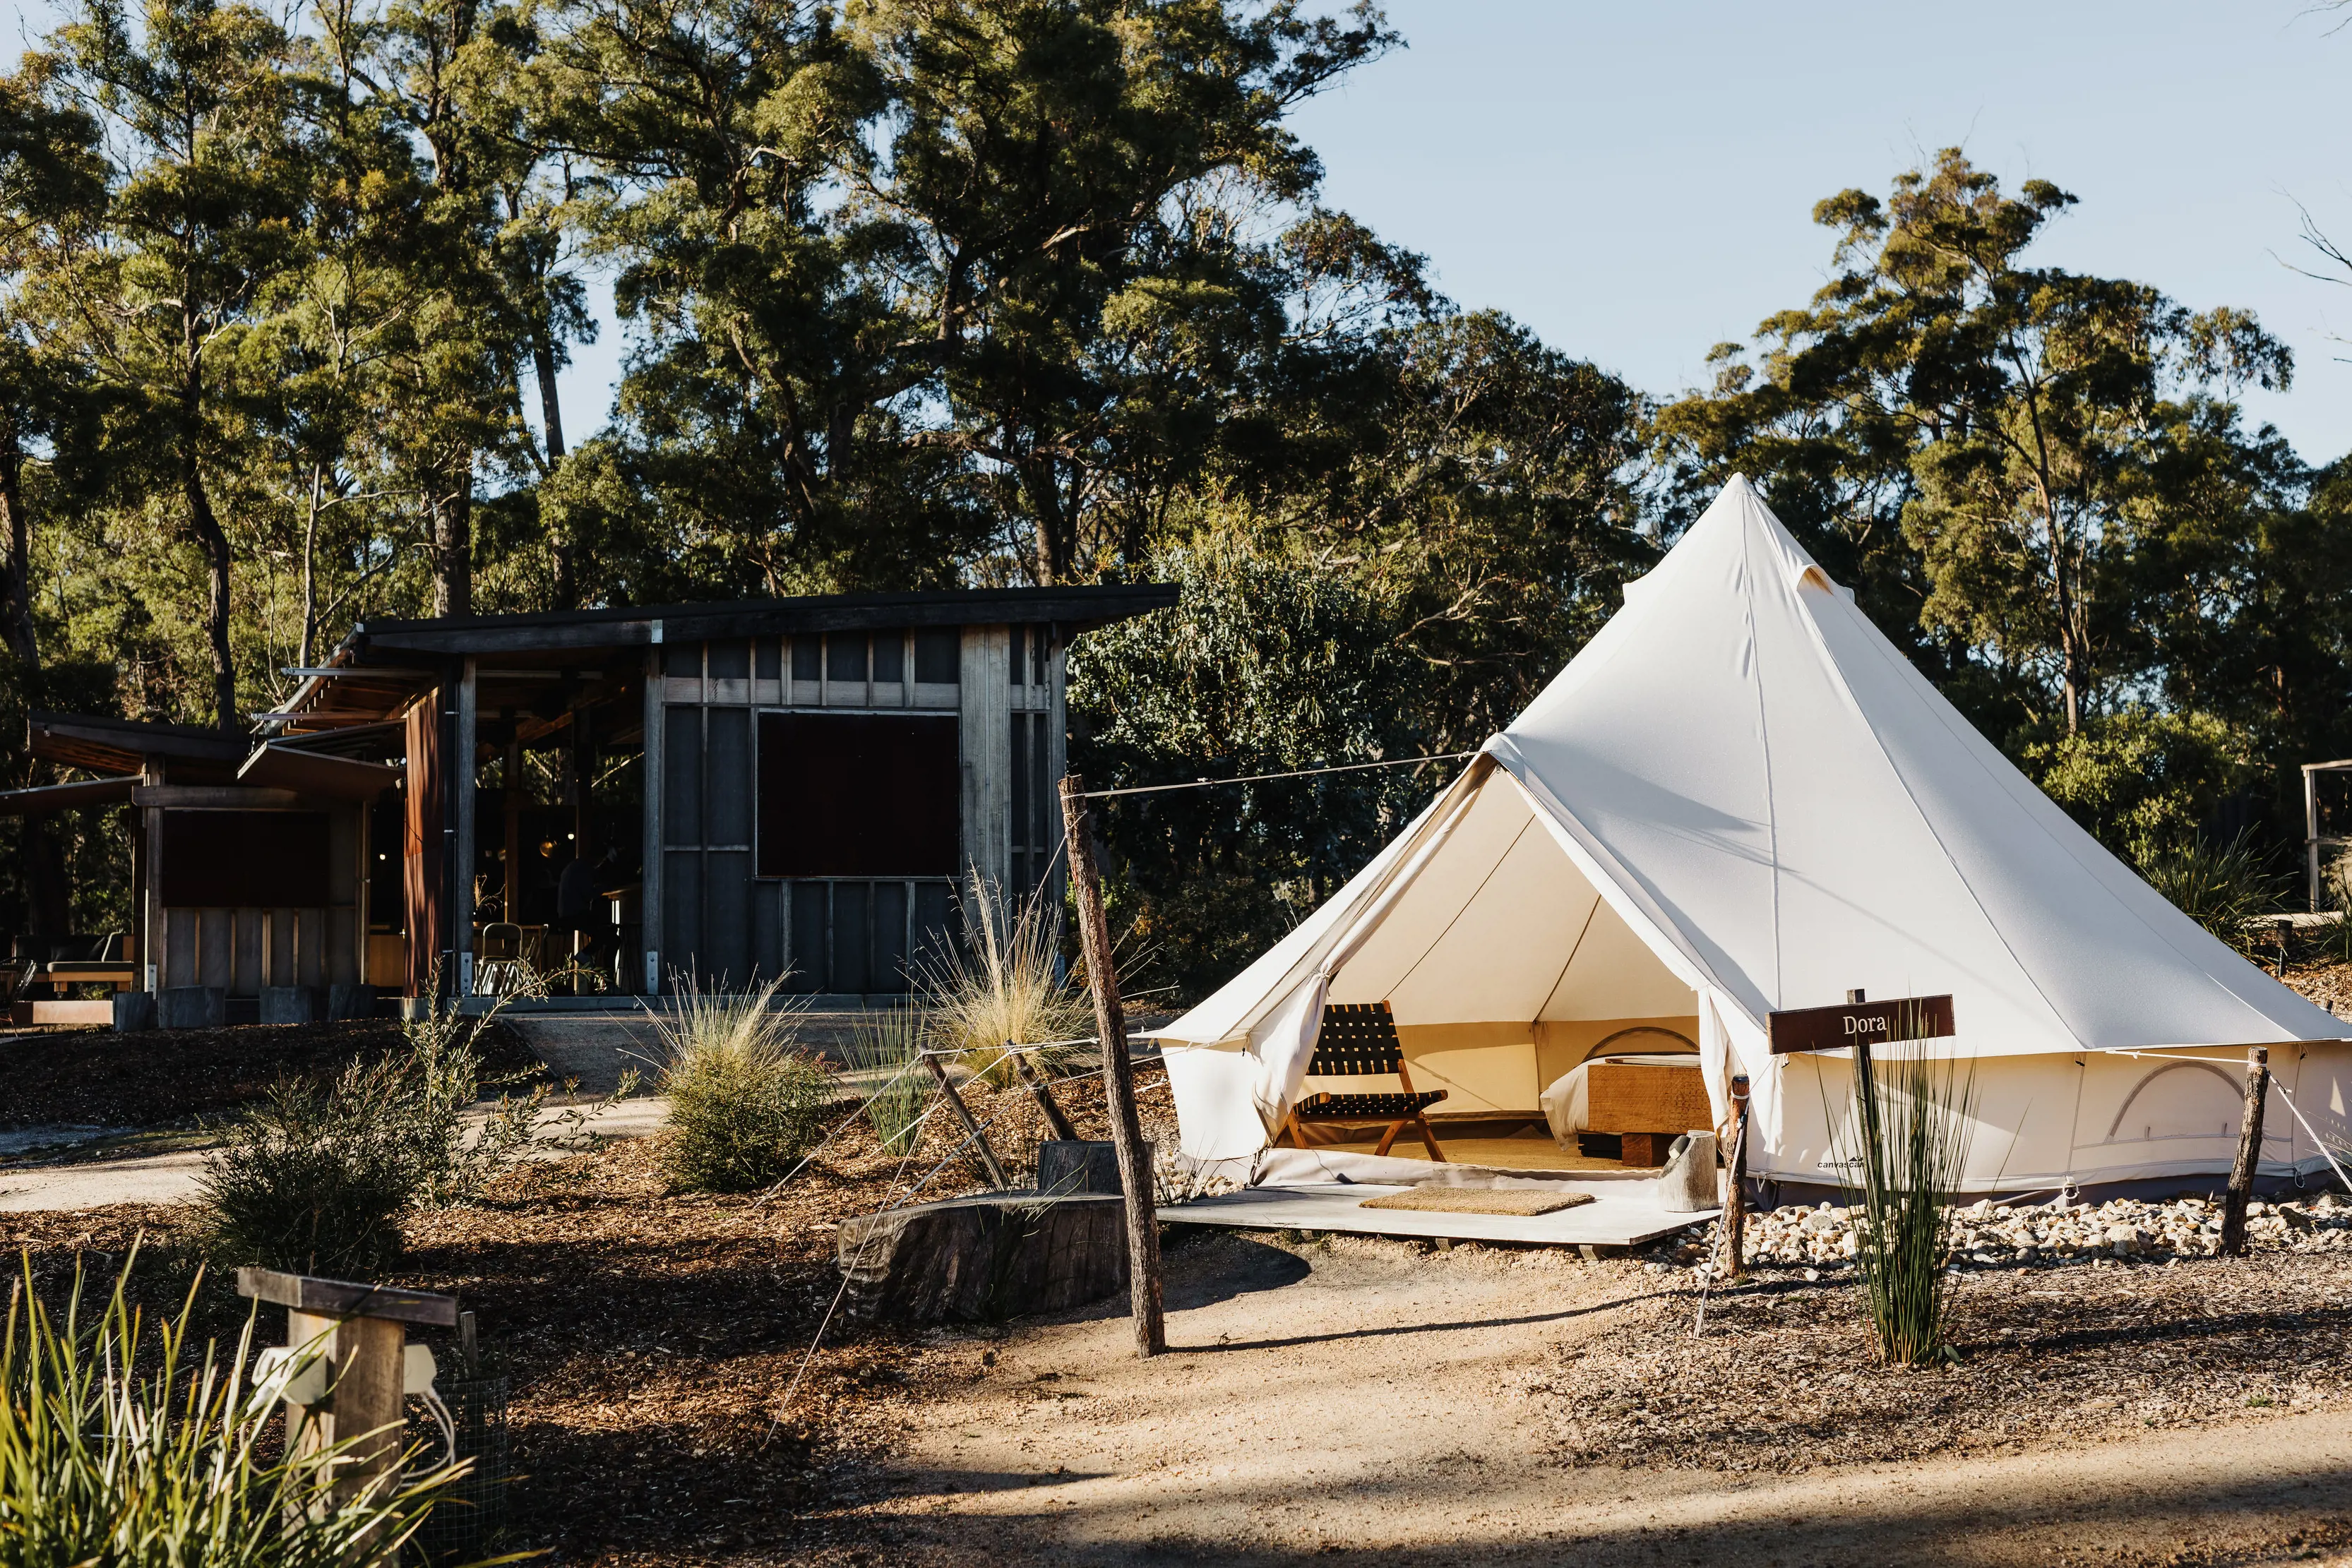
x=1741, y=787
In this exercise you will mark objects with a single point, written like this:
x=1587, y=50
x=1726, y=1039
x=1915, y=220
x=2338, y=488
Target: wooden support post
x=971, y=1128
x=1118, y=1075
x=1059, y=1122
x=1734, y=1198
x=463, y=770
x=2249, y=1154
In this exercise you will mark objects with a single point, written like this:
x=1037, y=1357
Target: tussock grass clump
x=1912, y=1116
x=2224, y=889
x=885, y=1052
x=745, y=1105
x=1002, y=982
x=179, y=1461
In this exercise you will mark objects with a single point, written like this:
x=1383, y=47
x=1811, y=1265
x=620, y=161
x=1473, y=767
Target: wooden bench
x=1359, y=1040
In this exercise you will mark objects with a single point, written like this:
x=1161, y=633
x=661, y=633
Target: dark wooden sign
x=1860, y=1023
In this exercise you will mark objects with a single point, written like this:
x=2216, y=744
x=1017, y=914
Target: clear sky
x=1634, y=181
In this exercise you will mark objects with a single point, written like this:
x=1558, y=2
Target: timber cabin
x=729, y=792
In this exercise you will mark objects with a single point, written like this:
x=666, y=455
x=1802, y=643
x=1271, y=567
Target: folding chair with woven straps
x=1359, y=1040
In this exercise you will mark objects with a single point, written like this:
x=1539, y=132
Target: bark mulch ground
x=95, y=1078
x=1783, y=1377
x=650, y=1337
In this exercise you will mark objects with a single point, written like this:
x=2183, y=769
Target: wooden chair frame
x=1359, y=1040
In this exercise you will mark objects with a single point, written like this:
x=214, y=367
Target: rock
x=1812, y=1274
x=1820, y=1220
x=192, y=1006
x=135, y=1012
x=289, y=1004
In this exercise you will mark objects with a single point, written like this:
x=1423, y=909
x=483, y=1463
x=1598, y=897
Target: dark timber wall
x=821, y=796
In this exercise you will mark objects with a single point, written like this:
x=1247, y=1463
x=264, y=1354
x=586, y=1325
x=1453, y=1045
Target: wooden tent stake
x=2249, y=1154
x=1118, y=1075
x=1045, y=1097
x=971, y=1129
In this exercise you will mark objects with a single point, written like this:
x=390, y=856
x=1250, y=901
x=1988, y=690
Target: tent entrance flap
x=1485, y=939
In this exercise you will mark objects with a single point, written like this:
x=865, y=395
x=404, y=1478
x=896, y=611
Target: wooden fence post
x=971, y=1128
x=1735, y=1201
x=1118, y=1075
x=2250, y=1154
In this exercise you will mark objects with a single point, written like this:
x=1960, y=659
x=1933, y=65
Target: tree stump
x=984, y=1258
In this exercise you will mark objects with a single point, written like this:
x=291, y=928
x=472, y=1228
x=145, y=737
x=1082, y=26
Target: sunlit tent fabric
x=1740, y=796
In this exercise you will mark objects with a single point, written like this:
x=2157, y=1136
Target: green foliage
x=744, y=1105
x=884, y=1053
x=2222, y=889
x=121, y=1447
x=2141, y=780
x=316, y=1178
x=1262, y=667
x=1984, y=447
x=1908, y=1143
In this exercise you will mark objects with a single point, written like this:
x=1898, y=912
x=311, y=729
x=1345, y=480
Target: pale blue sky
x=1634, y=181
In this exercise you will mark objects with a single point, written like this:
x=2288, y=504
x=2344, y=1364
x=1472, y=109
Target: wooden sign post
x=1118, y=1075
x=360, y=1330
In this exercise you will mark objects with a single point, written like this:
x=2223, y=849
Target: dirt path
x=1358, y=1399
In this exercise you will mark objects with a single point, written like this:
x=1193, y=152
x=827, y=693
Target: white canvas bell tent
x=1741, y=798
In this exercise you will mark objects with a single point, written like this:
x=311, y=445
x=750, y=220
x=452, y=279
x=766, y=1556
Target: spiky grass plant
x=2224, y=889
x=1002, y=983
x=745, y=1103
x=121, y=1447
x=885, y=1056
x=1913, y=1118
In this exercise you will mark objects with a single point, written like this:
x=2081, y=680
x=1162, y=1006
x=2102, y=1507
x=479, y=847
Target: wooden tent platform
x=1611, y=1220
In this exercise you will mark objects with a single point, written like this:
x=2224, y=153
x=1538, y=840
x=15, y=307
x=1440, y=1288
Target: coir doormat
x=1525, y=1200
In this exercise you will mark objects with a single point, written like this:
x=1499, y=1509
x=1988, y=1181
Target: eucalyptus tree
x=928, y=283
x=1984, y=437
x=204, y=173
x=52, y=193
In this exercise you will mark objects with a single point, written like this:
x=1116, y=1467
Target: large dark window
x=858, y=795
x=243, y=860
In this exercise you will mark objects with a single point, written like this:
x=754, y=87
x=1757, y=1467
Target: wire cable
x=1262, y=777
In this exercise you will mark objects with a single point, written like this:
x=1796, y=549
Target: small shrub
x=1003, y=983
x=744, y=1105
x=2224, y=890
x=314, y=1179
x=1909, y=1140
x=178, y=1463
x=885, y=1052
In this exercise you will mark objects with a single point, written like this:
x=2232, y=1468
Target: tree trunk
x=550, y=414
x=16, y=577
x=453, y=543
x=311, y=568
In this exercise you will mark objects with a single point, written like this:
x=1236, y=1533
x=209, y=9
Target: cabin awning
x=44, y=798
